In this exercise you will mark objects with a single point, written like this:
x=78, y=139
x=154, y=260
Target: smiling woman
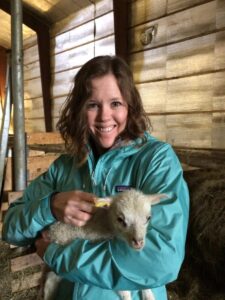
x=110, y=150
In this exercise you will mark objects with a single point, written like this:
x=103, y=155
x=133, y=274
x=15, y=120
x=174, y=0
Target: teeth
x=106, y=129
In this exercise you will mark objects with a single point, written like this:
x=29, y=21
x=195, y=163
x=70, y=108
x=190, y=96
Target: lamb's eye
x=148, y=219
x=122, y=221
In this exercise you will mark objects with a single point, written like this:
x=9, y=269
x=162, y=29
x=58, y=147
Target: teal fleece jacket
x=98, y=270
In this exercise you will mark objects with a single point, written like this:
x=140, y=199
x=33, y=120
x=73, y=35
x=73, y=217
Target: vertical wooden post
x=120, y=26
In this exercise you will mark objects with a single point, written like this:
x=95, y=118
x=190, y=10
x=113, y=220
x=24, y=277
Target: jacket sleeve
x=31, y=213
x=112, y=264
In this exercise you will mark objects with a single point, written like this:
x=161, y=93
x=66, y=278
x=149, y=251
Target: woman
x=105, y=129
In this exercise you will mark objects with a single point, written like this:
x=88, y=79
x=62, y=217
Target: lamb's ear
x=103, y=202
x=155, y=198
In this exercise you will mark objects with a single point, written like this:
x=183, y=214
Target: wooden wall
x=74, y=40
x=180, y=75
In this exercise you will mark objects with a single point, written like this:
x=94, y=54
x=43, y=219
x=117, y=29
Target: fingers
x=85, y=196
x=74, y=207
x=77, y=216
x=75, y=221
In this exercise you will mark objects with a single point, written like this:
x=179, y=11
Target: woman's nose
x=104, y=113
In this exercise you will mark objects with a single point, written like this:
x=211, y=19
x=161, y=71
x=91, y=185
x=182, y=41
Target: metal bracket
x=148, y=34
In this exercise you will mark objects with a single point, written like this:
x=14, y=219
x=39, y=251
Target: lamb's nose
x=138, y=244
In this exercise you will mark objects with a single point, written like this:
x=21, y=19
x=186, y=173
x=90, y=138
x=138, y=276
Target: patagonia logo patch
x=122, y=188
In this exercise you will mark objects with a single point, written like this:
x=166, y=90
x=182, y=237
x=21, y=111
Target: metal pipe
x=18, y=95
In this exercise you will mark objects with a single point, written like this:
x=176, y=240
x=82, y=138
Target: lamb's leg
x=51, y=286
x=125, y=295
x=147, y=295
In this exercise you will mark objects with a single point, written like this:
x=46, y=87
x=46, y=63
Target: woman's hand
x=74, y=207
x=42, y=243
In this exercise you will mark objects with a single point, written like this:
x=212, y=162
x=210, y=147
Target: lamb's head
x=130, y=213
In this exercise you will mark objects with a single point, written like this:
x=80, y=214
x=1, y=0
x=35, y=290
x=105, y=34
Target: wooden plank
x=32, y=71
x=220, y=14
x=38, y=165
x=35, y=125
x=13, y=196
x=189, y=94
x=63, y=82
x=26, y=282
x=191, y=57
x=192, y=22
x=143, y=11
x=73, y=58
x=186, y=58
x=31, y=55
x=220, y=50
x=219, y=91
x=32, y=88
x=75, y=37
x=182, y=25
x=55, y=120
x=8, y=175
x=57, y=104
x=105, y=46
x=4, y=207
x=104, y=25
x=192, y=130
x=201, y=158
x=218, y=130
x=158, y=127
x=154, y=96
x=102, y=7
x=29, y=41
x=175, y=5
x=39, y=138
x=160, y=38
x=34, y=108
x=83, y=15
x=76, y=19
x=197, y=130
x=22, y=262
x=149, y=65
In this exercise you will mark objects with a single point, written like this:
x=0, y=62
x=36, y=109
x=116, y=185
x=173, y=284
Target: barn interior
x=176, y=51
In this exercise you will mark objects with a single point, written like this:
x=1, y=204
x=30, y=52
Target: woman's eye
x=92, y=106
x=116, y=103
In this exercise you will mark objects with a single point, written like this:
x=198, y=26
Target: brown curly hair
x=72, y=123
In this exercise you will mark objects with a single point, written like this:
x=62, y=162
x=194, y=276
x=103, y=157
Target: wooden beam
x=44, y=55
x=41, y=27
x=120, y=8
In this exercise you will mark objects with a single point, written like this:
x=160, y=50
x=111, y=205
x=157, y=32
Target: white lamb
x=127, y=218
